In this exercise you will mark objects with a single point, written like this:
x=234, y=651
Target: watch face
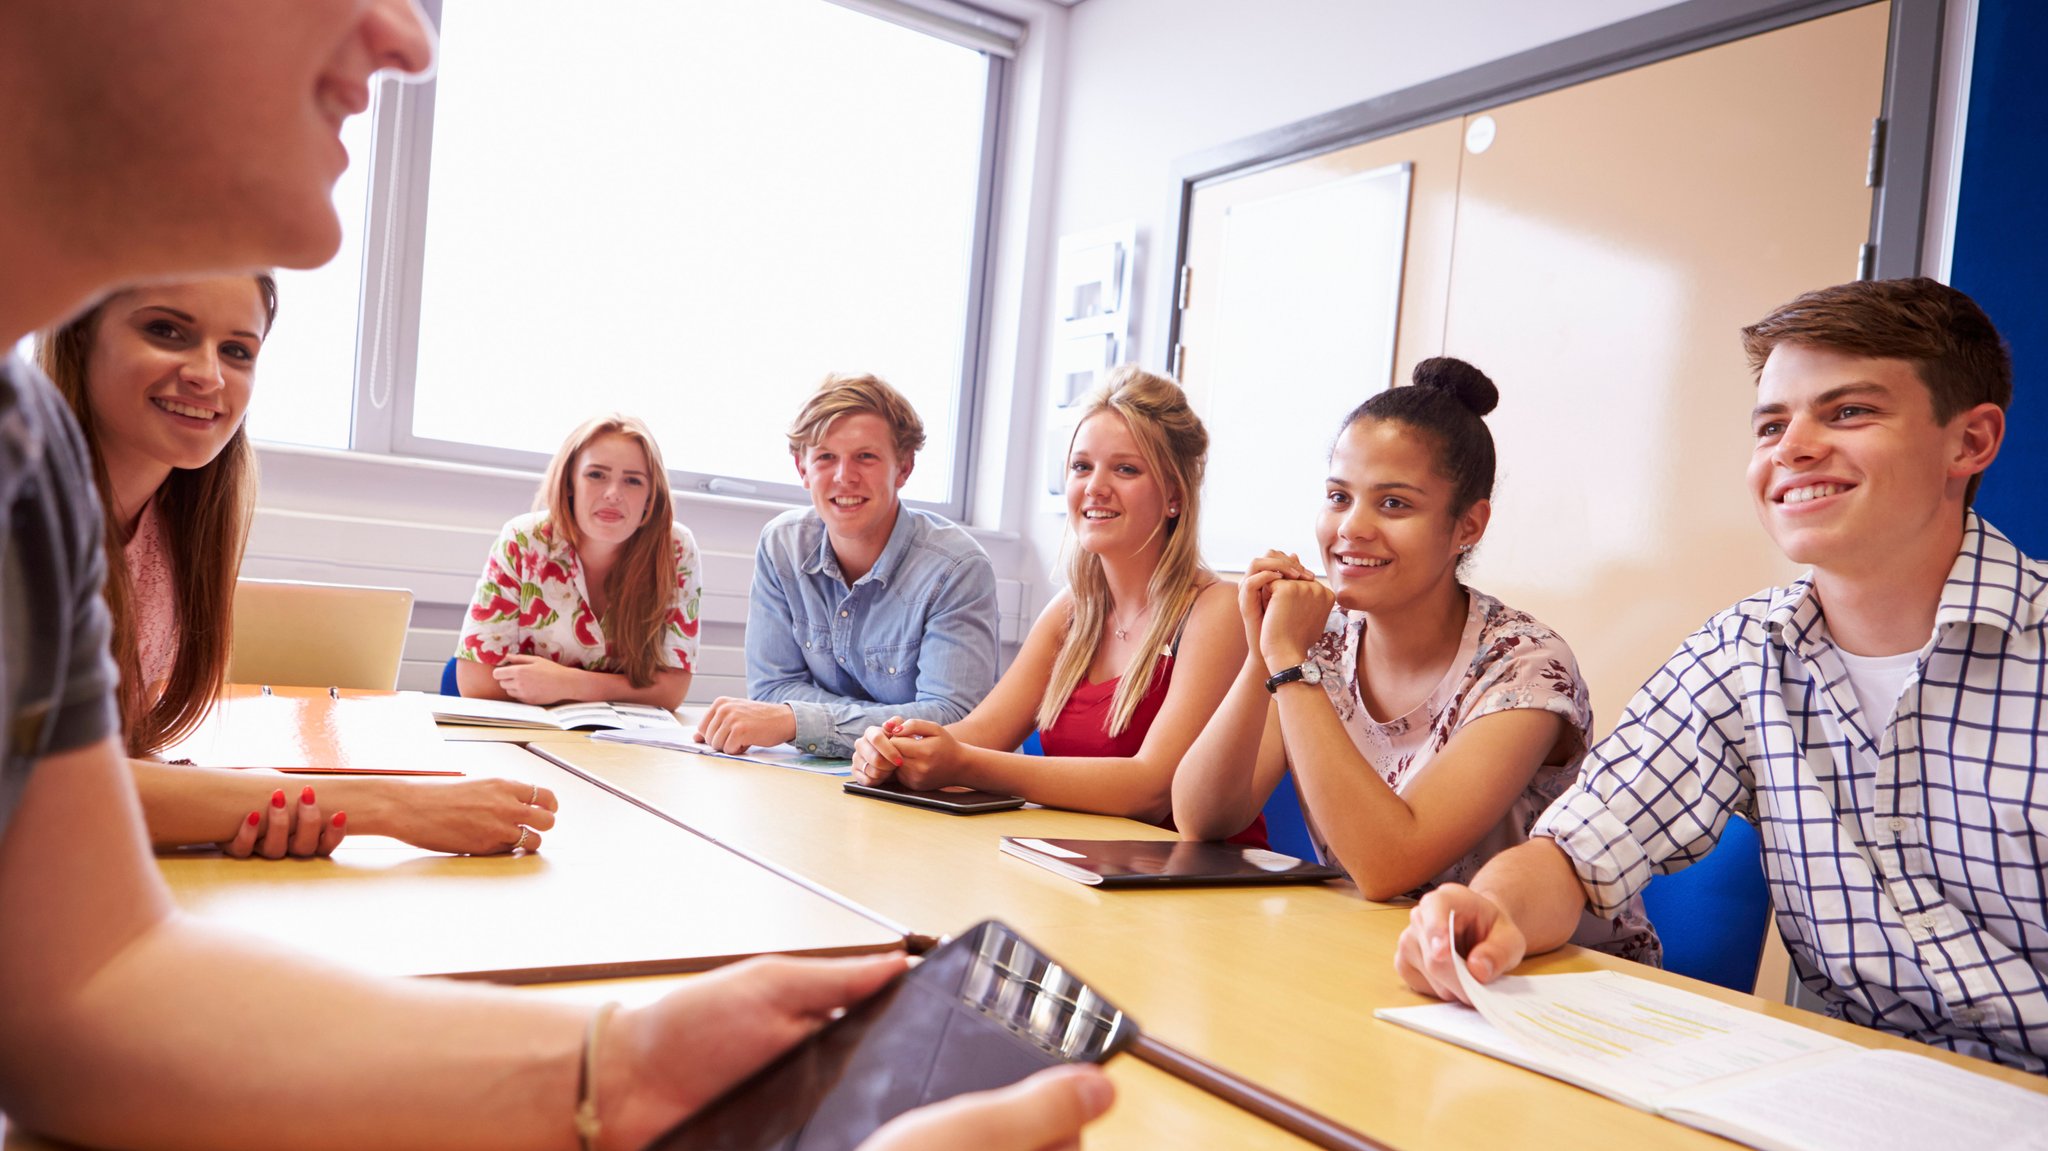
x=1311, y=673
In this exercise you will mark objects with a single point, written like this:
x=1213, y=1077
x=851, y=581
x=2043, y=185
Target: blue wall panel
x=2001, y=246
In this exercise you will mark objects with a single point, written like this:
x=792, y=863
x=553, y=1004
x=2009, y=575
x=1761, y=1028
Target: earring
x=1462, y=548
x=1173, y=510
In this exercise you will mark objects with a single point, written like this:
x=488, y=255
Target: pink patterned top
x=154, y=601
x=1508, y=661
x=532, y=601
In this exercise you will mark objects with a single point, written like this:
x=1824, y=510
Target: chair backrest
x=449, y=684
x=1286, y=828
x=1713, y=915
x=318, y=635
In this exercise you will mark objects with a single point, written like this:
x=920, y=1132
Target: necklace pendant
x=1121, y=633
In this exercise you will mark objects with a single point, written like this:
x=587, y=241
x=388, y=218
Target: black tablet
x=982, y=1011
x=958, y=800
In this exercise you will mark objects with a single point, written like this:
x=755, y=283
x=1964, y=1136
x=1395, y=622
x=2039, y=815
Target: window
x=688, y=212
x=312, y=347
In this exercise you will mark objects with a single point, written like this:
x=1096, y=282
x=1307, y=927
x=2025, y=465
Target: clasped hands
x=1285, y=608
x=920, y=754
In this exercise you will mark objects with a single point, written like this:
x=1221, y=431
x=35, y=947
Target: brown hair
x=1948, y=339
x=841, y=395
x=206, y=512
x=1175, y=447
x=641, y=588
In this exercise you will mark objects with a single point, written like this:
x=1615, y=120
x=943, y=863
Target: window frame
x=395, y=233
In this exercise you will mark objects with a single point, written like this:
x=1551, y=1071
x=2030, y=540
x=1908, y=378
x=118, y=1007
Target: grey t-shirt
x=57, y=676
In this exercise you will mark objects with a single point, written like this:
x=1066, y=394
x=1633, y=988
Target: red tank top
x=1083, y=729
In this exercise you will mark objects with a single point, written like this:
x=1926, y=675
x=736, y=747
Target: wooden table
x=930, y=871
x=1278, y=984
x=615, y=891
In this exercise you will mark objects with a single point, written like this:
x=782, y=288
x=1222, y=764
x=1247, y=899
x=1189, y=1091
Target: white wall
x=1148, y=82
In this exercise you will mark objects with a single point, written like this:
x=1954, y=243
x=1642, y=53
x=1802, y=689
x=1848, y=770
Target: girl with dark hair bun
x=1427, y=724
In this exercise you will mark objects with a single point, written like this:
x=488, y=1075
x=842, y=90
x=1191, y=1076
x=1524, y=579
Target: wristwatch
x=1308, y=672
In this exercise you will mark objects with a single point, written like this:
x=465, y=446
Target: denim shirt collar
x=901, y=536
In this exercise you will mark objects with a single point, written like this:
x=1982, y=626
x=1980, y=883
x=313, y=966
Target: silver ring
x=533, y=799
x=521, y=841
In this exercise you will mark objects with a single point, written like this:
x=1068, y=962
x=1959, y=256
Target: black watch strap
x=1286, y=675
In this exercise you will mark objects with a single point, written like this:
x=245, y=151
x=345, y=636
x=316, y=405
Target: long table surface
x=1276, y=984
x=615, y=890
x=932, y=872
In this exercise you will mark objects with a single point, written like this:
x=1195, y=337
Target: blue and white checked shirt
x=1905, y=863
x=915, y=636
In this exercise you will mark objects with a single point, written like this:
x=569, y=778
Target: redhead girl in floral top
x=594, y=594
x=1427, y=724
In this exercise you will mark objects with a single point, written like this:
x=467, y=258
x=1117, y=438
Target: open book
x=683, y=738
x=560, y=717
x=1729, y=1071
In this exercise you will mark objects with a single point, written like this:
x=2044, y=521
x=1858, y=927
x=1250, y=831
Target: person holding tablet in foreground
x=861, y=607
x=1127, y=661
x=1426, y=723
x=594, y=594
x=1881, y=720
x=160, y=378
x=122, y=162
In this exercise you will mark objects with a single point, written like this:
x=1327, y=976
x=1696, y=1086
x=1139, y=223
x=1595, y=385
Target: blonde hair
x=1175, y=448
x=843, y=395
x=206, y=513
x=641, y=588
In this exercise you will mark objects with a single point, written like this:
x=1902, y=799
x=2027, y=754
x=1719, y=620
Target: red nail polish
x=254, y=819
x=306, y=796
x=277, y=798
x=340, y=819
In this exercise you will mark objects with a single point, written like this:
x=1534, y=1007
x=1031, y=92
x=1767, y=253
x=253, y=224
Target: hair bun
x=1465, y=383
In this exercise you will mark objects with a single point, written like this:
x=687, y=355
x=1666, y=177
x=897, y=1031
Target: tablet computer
x=1163, y=862
x=958, y=800
x=983, y=1010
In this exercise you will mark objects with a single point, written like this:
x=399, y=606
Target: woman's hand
x=920, y=754
x=663, y=1061
x=280, y=829
x=471, y=816
x=535, y=679
x=1255, y=590
x=1297, y=610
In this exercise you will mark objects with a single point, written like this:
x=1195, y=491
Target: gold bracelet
x=587, y=1124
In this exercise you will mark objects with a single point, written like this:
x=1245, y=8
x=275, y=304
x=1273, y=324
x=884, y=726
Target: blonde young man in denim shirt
x=862, y=609
x=1881, y=720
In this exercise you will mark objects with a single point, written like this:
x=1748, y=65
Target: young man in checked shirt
x=1880, y=720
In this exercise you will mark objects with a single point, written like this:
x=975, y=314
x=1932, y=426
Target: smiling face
x=1387, y=530
x=853, y=475
x=611, y=491
x=169, y=376
x=205, y=134
x=1850, y=471
x=1117, y=504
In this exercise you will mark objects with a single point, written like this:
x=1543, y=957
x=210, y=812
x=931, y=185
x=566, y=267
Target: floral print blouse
x=1507, y=660
x=532, y=601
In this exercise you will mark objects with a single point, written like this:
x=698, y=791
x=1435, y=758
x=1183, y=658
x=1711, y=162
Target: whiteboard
x=1308, y=295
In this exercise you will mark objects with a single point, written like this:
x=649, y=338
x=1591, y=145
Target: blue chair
x=1031, y=746
x=448, y=678
x=1713, y=915
x=1286, y=828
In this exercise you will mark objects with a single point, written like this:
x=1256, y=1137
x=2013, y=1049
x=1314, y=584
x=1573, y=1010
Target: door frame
x=1911, y=84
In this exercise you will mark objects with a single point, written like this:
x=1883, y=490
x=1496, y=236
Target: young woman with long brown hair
x=1126, y=663
x=594, y=594
x=160, y=379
